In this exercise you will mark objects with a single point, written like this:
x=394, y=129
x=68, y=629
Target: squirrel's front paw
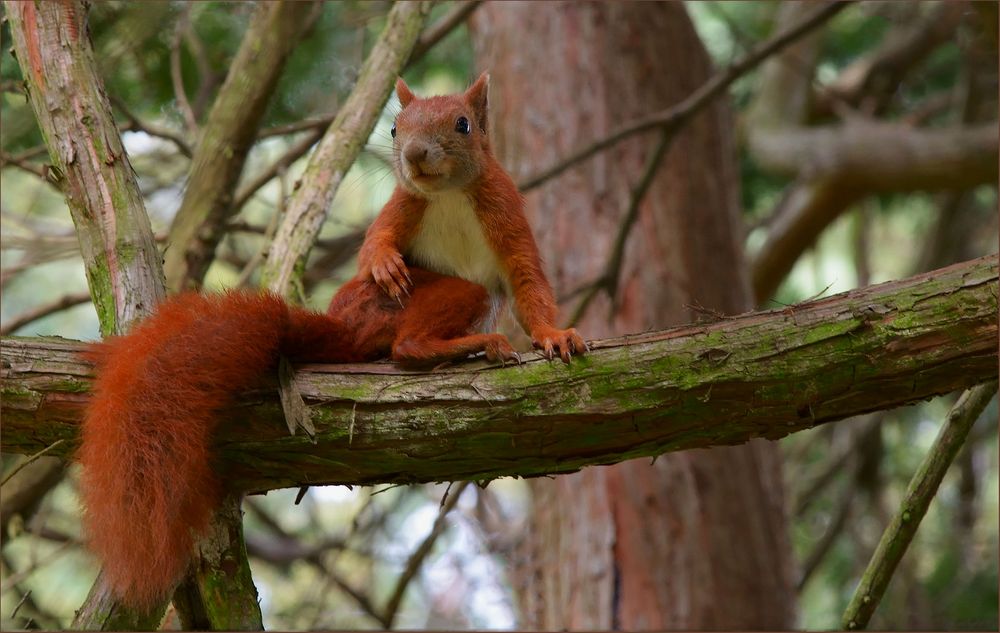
x=551, y=340
x=391, y=274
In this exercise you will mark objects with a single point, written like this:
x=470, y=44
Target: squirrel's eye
x=393, y=130
x=462, y=125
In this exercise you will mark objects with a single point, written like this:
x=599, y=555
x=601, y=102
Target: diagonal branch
x=762, y=374
x=918, y=496
x=339, y=147
x=678, y=114
x=841, y=165
x=227, y=135
x=608, y=281
x=456, y=15
x=62, y=303
x=419, y=555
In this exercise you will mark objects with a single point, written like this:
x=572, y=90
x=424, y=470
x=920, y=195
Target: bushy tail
x=148, y=486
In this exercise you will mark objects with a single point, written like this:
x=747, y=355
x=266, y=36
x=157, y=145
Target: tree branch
x=176, y=76
x=764, y=374
x=457, y=14
x=44, y=310
x=919, y=493
x=339, y=147
x=608, y=280
x=226, y=138
x=678, y=114
x=419, y=555
x=840, y=165
x=872, y=80
x=880, y=157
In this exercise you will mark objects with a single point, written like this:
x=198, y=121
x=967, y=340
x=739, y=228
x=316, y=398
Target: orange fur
x=150, y=487
x=449, y=161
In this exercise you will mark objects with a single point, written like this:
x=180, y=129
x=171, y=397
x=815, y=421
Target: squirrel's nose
x=415, y=153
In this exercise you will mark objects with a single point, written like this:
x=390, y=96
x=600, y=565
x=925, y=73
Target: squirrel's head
x=439, y=143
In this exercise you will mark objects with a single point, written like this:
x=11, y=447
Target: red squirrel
x=448, y=248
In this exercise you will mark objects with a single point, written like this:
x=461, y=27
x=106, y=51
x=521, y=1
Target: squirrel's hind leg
x=440, y=323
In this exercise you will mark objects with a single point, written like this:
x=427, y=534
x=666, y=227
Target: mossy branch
x=762, y=374
x=89, y=164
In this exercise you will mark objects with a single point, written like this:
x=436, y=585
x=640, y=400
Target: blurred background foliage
x=335, y=559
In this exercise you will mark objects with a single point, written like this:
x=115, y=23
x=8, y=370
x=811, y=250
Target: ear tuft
x=404, y=93
x=477, y=96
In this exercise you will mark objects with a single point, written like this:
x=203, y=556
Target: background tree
x=914, y=80
x=636, y=545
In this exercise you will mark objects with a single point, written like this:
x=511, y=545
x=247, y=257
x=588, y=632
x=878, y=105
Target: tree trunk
x=636, y=545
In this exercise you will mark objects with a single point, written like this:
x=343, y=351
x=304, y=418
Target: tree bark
x=763, y=374
x=89, y=163
x=637, y=546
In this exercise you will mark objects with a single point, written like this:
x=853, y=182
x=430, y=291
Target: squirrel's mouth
x=422, y=176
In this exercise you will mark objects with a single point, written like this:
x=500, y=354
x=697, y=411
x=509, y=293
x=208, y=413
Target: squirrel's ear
x=404, y=93
x=478, y=97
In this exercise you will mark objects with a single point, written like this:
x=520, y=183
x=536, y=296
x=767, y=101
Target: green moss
x=71, y=385
x=13, y=392
x=99, y=279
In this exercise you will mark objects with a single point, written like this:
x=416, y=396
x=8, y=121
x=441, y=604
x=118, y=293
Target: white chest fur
x=451, y=241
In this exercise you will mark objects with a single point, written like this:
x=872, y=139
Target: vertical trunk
x=696, y=540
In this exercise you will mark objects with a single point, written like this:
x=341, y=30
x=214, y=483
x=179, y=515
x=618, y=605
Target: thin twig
x=207, y=78
x=292, y=154
x=419, y=555
x=608, y=281
x=24, y=165
x=921, y=490
x=459, y=13
x=20, y=603
x=861, y=434
x=840, y=515
x=299, y=126
x=62, y=303
x=14, y=579
x=176, y=74
x=314, y=557
x=137, y=124
x=31, y=459
x=32, y=152
x=681, y=112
